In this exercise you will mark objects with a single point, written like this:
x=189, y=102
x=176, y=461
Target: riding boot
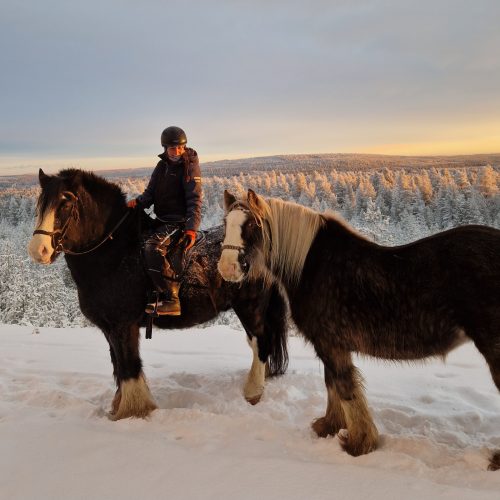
x=170, y=306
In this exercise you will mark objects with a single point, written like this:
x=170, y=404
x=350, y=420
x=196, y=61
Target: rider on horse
x=175, y=191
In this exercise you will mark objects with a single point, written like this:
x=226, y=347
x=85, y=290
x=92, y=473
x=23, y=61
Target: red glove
x=189, y=239
x=132, y=203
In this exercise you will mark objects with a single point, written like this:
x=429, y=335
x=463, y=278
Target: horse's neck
x=292, y=230
x=98, y=220
x=103, y=261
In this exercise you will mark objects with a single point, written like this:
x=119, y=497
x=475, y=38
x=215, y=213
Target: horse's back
x=426, y=290
x=470, y=253
x=462, y=266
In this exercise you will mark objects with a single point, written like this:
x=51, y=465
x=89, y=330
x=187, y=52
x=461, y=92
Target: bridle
x=240, y=248
x=57, y=236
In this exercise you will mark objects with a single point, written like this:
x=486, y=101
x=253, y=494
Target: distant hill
x=299, y=163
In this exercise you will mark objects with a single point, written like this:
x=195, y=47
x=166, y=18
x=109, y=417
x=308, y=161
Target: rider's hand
x=189, y=239
x=132, y=203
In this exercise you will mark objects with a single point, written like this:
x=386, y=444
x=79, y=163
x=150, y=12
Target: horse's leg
x=334, y=419
x=116, y=400
x=254, y=385
x=132, y=398
x=250, y=315
x=493, y=360
x=262, y=313
x=488, y=345
x=362, y=435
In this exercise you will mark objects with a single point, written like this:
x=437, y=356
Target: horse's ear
x=253, y=199
x=229, y=199
x=42, y=177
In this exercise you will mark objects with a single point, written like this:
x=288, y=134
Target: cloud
x=103, y=78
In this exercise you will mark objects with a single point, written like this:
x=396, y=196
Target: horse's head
x=57, y=214
x=68, y=215
x=244, y=238
x=266, y=238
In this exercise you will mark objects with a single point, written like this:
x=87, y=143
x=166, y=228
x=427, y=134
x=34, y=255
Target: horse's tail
x=276, y=327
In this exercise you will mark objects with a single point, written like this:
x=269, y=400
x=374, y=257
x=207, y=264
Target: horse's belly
x=413, y=343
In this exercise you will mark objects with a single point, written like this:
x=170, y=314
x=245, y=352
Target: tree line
x=390, y=206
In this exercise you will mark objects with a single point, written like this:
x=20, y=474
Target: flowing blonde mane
x=288, y=231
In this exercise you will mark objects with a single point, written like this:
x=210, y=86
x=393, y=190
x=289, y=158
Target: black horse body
x=113, y=286
x=406, y=302
x=352, y=295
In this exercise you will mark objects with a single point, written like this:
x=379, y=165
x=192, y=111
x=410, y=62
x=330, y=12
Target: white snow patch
x=437, y=421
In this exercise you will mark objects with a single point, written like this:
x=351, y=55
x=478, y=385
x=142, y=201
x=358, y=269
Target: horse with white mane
x=348, y=294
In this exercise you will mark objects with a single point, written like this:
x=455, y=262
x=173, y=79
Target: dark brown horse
x=348, y=294
x=86, y=217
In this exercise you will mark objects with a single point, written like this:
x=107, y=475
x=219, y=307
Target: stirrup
x=153, y=312
x=169, y=308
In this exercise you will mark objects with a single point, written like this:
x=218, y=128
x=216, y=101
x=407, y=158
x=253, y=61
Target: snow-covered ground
x=437, y=423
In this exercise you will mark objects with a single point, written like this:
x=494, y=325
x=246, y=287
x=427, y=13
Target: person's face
x=175, y=151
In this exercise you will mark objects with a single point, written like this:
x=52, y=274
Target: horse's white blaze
x=254, y=386
x=229, y=266
x=40, y=246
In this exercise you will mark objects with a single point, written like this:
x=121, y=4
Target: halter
x=240, y=248
x=58, y=235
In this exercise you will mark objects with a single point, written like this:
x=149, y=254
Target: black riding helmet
x=173, y=136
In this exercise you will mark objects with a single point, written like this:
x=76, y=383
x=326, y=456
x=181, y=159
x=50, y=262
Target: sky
x=92, y=84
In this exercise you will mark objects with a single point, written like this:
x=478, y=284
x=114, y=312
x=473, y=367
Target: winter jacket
x=175, y=190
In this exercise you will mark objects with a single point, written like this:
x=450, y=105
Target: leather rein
x=57, y=236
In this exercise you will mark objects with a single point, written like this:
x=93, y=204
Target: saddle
x=170, y=246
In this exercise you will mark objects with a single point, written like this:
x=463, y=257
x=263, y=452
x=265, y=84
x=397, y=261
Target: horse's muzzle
x=230, y=269
x=40, y=250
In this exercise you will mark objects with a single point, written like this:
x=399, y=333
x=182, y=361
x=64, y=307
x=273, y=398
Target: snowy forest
x=391, y=206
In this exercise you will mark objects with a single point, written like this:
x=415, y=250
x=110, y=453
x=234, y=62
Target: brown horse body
x=348, y=294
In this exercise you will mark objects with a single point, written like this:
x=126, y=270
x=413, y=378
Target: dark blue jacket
x=175, y=190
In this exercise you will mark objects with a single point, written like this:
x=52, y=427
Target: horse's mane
x=288, y=231
x=70, y=180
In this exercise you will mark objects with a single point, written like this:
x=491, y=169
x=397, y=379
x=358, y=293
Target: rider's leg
x=164, y=263
x=172, y=270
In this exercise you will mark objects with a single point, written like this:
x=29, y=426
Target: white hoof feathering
x=135, y=399
x=254, y=386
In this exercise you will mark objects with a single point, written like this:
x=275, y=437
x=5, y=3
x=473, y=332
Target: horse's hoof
x=143, y=412
x=253, y=392
x=323, y=428
x=356, y=448
x=253, y=400
x=343, y=436
x=495, y=461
